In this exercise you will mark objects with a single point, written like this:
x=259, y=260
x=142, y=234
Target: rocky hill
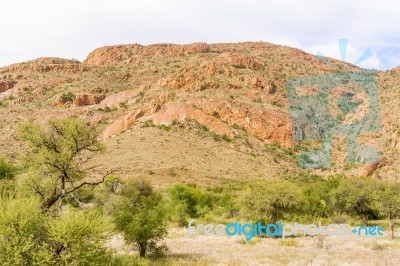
x=199, y=113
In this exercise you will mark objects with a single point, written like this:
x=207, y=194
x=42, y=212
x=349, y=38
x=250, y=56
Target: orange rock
x=6, y=85
x=87, y=99
x=126, y=96
x=240, y=60
x=128, y=120
x=368, y=169
x=47, y=64
x=261, y=83
x=110, y=55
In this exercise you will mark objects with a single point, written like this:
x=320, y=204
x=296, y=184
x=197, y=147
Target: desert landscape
x=208, y=127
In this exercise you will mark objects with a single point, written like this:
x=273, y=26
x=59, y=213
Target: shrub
x=28, y=236
x=272, y=200
x=6, y=170
x=190, y=202
x=355, y=196
x=140, y=216
x=67, y=97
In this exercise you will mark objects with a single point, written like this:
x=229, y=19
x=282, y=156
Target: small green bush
x=67, y=97
x=6, y=170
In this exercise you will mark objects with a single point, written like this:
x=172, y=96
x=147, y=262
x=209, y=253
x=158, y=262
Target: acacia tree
x=140, y=216
x=387, y=200
x=273, y=200
x=356, y=196
x=57, y=154
x=30, y=237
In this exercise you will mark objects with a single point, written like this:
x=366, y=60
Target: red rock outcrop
x=48, y=64
x=368, y=169
x=110, y=55
x=260, y=83
x=240, y=60
x=128, y=97
x=188, y=82
x=87, y=99
x=6, y=85
x=269, y=125
x=128, y=120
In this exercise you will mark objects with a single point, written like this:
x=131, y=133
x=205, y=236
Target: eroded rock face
x=49, y=64
x=368, y=169
x=125, y=122
x=269, y=125
x=82, y=99
x=6, y=85
x=240, y=60
x=261, y=83
x=188, y=82
x=88, y=99
x=128, y=97
x=110, y=55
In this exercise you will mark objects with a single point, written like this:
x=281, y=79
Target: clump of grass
x=290, y=242
x=67, y=97
x=106, y=109
x=320, y=241
x=257, y=100
x=148, y=123
x=251, y=242
x=164, y=127
x=378, y=246
x=216, y=114
x=123, y=105
x=218, y=137
x=239, y=66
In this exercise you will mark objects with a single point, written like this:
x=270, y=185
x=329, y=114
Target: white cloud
x=73, y=28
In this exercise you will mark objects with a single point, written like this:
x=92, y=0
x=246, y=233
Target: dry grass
x=214, y=250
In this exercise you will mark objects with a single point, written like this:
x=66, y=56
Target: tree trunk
x=50, y=201
x=142, y=250
x=366, y=220
x=391, y=225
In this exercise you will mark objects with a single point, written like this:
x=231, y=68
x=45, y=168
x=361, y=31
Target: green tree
x=188, y=201
x=387, y=200
x=57, y=155
x=273, y=199
x=23, y=233
x=79, y=238
x=140, y=216
x=30, y=237
x=317, y=195
x=355, y=196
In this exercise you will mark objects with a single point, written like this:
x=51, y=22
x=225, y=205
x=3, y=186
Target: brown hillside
x=198, y=112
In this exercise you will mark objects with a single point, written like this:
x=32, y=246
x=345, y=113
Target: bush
x=355, y=196
x=67, y=97
x=140, y=216
x=80, y=238
x=190, y=202
x=272, y=200
x=29, y=236
x=6, y=170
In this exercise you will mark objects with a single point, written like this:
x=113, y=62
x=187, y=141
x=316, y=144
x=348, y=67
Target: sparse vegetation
x=67, y=97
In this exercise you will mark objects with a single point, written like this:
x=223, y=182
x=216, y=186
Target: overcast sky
x=72, y=29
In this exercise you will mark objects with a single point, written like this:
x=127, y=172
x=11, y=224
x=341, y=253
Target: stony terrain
x=205, y=113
